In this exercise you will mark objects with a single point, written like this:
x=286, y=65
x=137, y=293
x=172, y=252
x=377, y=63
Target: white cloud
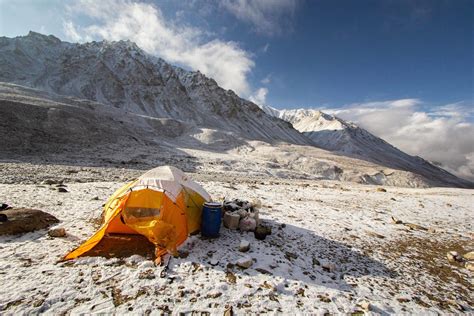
x=443, y=134
x=145, y=24
x=259, y=97
x=268, y=17
x=266, y=47
x=267, y=79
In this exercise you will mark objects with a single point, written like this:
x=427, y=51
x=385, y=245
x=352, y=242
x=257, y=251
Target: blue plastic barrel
x=211, y=219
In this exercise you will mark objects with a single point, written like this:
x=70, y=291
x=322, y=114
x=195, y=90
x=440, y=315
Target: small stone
x=244, y=246
x=403, y=299
x=415, y=226
x=263, y=271
x=95, y=198
x=229, y=311
x=183, y=254
x=49, y=181
x=147, y=275
x=469, y=265
x=214, y=262
x=63, y=190
x=57, y=232
x=396, y=221
x=374, y=234
x=381, y=190
x=245, y=262
x=214, y=295
x=364, y=305
x=469, y=255
x=453, y=256
x=290, y=255
x=329, y=267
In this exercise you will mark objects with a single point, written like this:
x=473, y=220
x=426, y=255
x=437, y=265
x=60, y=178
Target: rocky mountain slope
x=336, y=135
x=110, y=101
x=124, y=76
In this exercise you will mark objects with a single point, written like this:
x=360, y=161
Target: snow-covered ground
x=333, y=248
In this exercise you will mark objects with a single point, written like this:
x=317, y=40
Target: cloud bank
x=144, y=24
x=442, y=135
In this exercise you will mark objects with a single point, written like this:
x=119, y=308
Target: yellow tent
x=163, y=204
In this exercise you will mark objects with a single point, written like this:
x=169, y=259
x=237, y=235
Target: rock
x=396, y=221
x=4, y=206
x=415, y=226
x=214, y=262
x=24, y=220
x=263, y=271
x=469, y=255
x=244, y=246
x=245, y=262
x=231, y=278
x=183, y=254
x=381, y=190
x=261, y=232
x=316, y=262
x=290, y=255
x=469, y=265
x=49, y=181
x=3, y=218
x=229, y=311
x=147, y=275
x=374, y=234
x=95, y=198
x=57, y=232
x=329, y=267
x=365, y=305
x=63, y=190
x=214, y=295
x=453, y=256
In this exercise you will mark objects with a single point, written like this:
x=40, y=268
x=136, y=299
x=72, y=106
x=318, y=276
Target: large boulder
x=25, y=220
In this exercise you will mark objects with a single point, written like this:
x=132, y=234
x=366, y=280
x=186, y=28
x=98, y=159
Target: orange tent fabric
x=164, y=205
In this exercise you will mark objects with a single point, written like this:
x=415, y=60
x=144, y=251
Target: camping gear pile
x=241, y=214
x=163, y=205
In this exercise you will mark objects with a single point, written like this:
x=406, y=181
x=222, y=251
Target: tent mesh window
x=139, y=212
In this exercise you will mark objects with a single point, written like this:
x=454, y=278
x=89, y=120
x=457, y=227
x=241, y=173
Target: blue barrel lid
x=213, y=204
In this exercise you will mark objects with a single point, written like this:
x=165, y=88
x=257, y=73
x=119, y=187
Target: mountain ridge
x=337, y=135
x=174, y=101
x=120, y=74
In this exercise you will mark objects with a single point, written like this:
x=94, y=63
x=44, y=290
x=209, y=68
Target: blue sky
x=403, y=69
x=315, y=53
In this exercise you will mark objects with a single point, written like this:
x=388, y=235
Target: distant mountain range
x=147, y=91
x=334, y=134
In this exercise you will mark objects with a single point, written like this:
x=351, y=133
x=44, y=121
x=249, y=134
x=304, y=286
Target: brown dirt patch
x=423, y=260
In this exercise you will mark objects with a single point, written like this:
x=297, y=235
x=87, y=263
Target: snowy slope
x=334, y=134
x=124, y=76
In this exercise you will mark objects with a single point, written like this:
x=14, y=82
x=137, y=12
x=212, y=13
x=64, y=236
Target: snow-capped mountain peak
x=334, y=134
